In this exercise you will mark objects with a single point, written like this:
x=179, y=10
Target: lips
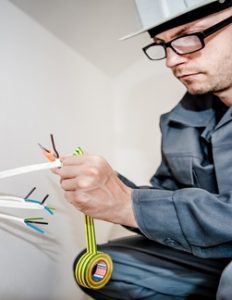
x=186, y=75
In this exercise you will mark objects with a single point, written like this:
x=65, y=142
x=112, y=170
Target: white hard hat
x=156, y=16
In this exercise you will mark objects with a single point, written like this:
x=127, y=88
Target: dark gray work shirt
x=189, y=203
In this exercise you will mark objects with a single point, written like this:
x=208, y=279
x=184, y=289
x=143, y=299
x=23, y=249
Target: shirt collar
x=226, y=118
x=193, y=110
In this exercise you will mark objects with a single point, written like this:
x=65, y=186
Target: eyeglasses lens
x=156, y=52
x=187, y=44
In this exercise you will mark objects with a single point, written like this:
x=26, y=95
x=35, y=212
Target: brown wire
x=53, y=146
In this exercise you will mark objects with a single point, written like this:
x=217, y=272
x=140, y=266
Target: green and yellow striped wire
x=93, y=270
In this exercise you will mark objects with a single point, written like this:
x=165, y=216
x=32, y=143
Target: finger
x=70, y=196
x=55, y=171
x=79, y=183
x=77, y=199
x=74, y=160
x=69, y=184
x=69, y=172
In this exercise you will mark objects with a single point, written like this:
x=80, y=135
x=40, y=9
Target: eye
x=158, y=41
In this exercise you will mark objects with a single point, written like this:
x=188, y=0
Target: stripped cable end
x=44, y=199
x=41, y=203
x=50, y=155
x=30, y=222
x=31, y=191
x=54, y=146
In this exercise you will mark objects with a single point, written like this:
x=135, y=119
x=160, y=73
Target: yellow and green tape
x=93, y=269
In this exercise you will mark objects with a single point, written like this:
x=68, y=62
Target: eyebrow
x=178, y=33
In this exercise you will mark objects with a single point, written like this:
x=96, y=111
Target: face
x=210, y=69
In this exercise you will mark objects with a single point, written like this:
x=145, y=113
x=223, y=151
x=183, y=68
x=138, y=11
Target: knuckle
x=98, y=160
x=63, y=184
x=94, y=172
x=82, y=183
x=79, y=200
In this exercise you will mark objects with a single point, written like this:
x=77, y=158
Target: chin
x=197, y=90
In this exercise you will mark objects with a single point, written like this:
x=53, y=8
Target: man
x=184, y=218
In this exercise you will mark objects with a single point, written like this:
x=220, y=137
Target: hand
x=94, y=188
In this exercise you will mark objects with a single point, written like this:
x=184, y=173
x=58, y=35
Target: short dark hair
x=190, y=16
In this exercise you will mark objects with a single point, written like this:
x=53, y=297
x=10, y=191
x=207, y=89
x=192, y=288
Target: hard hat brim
x=183, y=17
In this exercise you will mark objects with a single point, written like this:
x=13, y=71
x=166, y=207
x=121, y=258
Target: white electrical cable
x=29, y=222
x=12, y=198
x=13, y=218
x=16, y=204
x=32, y=168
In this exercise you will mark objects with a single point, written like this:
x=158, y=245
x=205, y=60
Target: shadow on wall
x=138, y=110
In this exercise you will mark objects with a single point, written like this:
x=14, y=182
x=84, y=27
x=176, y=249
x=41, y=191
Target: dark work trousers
x=144, y=269
x=225, y=286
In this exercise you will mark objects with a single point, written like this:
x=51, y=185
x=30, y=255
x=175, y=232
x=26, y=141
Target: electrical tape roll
x=93, y=269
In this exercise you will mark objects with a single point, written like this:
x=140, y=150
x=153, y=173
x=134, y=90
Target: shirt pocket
x=181, y=166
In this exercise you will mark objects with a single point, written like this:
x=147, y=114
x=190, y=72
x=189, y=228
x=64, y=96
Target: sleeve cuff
x=157, y=218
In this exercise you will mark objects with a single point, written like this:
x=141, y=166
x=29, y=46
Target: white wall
x=47, y=88
x=142, y=94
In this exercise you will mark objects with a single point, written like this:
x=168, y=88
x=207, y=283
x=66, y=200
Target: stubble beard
x=197, y=89
x=216, y=88
x=218, y=81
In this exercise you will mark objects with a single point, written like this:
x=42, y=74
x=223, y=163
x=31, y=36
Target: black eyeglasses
x=185, y=44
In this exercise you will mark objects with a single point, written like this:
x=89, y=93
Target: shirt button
x=171, y=242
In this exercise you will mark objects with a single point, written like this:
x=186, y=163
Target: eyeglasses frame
x=201, y=35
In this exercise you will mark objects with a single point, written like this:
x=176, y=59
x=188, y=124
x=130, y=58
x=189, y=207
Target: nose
x=173, y=59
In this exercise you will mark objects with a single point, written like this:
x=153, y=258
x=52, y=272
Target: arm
x=174, y=211
x=179, y=212
x=190, y=219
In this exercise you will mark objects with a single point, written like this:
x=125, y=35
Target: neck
x=225, y=96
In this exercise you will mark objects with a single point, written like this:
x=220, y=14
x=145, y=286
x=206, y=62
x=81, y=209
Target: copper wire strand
x=36, y=222
x=54, y=146
x=44, y=199
x=29, y=194
x=43, y=148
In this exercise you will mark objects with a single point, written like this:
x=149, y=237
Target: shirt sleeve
x=189, y=219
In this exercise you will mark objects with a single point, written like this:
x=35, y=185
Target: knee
x=225, y=286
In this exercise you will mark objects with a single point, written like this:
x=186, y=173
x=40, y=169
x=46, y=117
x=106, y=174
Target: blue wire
x=45, y=207
x=34, y=227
